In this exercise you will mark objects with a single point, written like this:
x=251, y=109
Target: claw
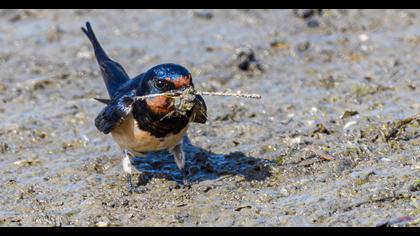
x=187, y=185
x=138, y=189
x=185, y=178
x=132, y=188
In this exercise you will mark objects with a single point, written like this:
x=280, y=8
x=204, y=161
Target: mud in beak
x=185, y=101
x=189, y=101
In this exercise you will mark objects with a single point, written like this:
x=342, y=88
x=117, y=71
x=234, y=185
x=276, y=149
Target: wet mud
x=334, y=141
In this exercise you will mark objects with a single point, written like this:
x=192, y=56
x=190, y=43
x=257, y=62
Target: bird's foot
x=187, y=184
x=132, y=188
x=137, y=189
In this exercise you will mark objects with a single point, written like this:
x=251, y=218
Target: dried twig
x=185, y=100
x=392, y=130
x=169, y=94
x=323, y=155
x=191, y=91
x=237, y=94
x=397, y=220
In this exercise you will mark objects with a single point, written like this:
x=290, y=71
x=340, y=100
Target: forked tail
x=113, y=73
x=99, y=51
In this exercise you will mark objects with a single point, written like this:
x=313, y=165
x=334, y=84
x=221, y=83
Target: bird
x=140, y=126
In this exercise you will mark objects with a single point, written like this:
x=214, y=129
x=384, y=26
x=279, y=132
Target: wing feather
x=200, y=110
x=114, y=113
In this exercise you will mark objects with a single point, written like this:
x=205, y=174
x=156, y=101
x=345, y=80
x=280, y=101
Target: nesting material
x=184, y=100
x=192, y=91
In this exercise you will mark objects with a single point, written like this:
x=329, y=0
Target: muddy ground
x=323, y=147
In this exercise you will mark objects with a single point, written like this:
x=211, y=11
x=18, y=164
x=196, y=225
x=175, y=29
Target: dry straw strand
x=237, y=94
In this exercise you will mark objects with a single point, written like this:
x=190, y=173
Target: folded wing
x=200, y=110
x=115, y=112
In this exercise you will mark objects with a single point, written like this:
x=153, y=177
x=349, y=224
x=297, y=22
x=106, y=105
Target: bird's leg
x=128, y=169
x=179, y=156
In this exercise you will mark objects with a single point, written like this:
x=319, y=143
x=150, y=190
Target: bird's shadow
x=201, y=165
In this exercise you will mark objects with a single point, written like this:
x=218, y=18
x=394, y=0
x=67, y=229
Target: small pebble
x=312, y=23
x=206, y=14
x=301, y=47
x=350, y=123
x=284, y=192
x=363, y=37
x=364, y=47
x=101, y=224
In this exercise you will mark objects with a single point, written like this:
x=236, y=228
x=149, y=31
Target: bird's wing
x=103, y=100
x=200, y=110
x=113, y=73
x=115, y=112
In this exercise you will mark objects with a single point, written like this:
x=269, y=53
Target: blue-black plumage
x=113, y=73
x=141, y=126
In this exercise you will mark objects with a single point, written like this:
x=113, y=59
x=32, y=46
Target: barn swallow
x=142, y=126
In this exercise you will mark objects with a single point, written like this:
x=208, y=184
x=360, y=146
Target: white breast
x=129, y=136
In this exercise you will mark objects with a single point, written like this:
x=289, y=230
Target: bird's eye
x=160, y=84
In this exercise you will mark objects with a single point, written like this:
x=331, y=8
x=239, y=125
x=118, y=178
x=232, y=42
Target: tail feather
x=99, y=51
x=103, y=100
x=113, y=73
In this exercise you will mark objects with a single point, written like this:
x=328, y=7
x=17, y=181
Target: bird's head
x=160, y=79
